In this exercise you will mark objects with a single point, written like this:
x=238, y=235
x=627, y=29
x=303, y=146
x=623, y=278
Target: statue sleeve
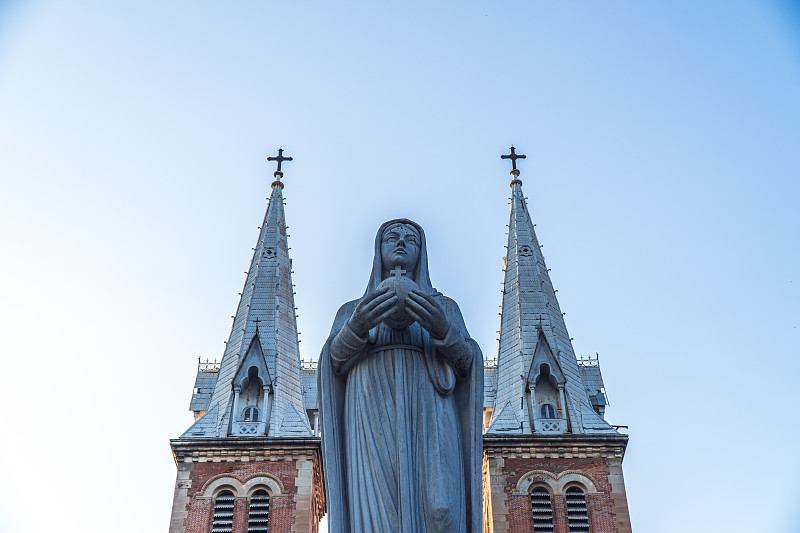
x=456, y=346
x=345, y=345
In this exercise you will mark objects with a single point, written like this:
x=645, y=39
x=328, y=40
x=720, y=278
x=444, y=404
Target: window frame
x=542, y=525
x=217, y=523
x=551, y=409
x=578, y=521
x=251, y=409
x=258, y=527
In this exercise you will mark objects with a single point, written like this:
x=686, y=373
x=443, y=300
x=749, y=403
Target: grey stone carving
x=401, y=402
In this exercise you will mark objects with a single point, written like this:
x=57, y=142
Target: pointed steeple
x=266, y=315
x=531, y=316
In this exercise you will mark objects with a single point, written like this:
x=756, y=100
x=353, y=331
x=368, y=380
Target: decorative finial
x=513, y=156
x=278, y=173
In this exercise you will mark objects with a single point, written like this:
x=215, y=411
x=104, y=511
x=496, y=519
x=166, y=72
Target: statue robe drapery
x=401, y=421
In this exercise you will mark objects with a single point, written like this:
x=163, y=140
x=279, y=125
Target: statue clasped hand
x=372, y=309
x=426, y=310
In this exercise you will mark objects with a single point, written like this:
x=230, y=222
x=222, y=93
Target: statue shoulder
x=344, y=312
x=452, y=310
x=449, y=304
x=346, y=308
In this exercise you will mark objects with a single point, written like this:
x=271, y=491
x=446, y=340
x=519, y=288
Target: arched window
x=577, y=513
x=258, y=517
x=223, y=512
x=250, y=414
x=548, y=411
x=542, y=510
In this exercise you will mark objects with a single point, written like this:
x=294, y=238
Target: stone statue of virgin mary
x=401, y=401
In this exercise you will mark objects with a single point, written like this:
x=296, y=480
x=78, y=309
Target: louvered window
x=548, y=411
x=542, y=510
x=258, y=517
x=223, y=512
x=577, y=513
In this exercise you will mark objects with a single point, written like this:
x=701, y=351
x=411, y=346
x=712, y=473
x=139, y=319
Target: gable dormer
x=544, y=391
x=252, y=393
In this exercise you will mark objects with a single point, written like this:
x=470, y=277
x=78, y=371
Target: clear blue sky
x=662, y=171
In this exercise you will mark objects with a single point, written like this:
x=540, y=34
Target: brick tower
x=551, y=462
x=251, y=460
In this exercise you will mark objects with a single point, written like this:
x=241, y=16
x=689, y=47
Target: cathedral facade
x=251, y=460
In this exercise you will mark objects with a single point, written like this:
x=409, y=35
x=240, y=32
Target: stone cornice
x=556, y=446
x=244, y=449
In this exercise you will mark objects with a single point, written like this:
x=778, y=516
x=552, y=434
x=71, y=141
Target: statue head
x=400, y=245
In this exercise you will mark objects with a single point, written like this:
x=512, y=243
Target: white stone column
x=267, y=409
x=563, y=401
x=530, y=400
x=265, y=392
x=235, y=413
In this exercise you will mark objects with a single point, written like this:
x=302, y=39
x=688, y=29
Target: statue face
x=400, y=247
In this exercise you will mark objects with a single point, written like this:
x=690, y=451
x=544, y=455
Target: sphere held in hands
x=402, y=286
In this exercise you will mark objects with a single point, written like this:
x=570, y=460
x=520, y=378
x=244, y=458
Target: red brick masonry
x=293, y=464
x=515, y=464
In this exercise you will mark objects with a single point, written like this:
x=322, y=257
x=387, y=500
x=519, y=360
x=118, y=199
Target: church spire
x=264, y=331
x=538, y=377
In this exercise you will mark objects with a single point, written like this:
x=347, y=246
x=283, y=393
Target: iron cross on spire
x=513, y=156
x=280, y=159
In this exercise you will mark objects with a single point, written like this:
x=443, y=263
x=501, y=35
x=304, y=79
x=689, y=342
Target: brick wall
x=600, y=505
x=511, y=466
x=515, y=465
x=281, y=508
x=297, y=500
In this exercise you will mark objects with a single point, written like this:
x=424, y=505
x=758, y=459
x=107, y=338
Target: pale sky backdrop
x=662, y=171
